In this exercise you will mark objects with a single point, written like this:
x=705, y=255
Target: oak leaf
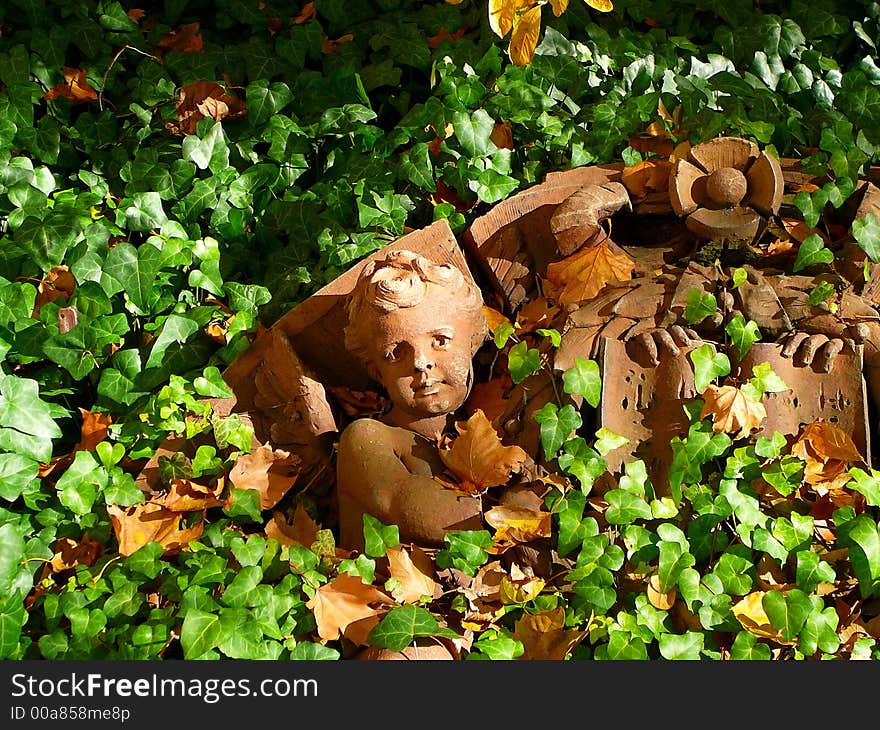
x=826, y=451
x=544, y=636
x=184, y=39
x=581, y=276
x=343, y=601
x=732, y=410
x=412, y=572
x=477, y=456
x=272, y=472
x=302, y=531
x=649, y=176
x=93, y=431
x=75, y=87
x=517, y=525
x=144, y=523
x=202, y=99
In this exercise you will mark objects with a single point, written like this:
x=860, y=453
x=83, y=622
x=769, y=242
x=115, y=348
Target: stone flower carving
x=726, y=187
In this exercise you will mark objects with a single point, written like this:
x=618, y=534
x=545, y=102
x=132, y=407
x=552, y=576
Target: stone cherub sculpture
x=416, y=326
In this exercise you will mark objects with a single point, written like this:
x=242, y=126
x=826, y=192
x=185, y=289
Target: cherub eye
x=440, y=341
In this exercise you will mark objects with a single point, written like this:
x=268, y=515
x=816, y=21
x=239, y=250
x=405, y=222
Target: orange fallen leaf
x=185, y=495
x=75, y=87
x=184, y=39
x=544, y=636
x=307, y=13
x=435, y=41
x=70, y=553
x=272, y=472
x=59, y=282
x=412, y=572
x=732, y=410
x=329, y=46
x=524, y=38
x=516, y=525
x=502, y=135
x=494, y=318
x=93, y=431
x=143, y=523
x=799, y=231
x=804, y=187
x=535, y=313
x=302, y=531
x=657, y=598
x=490, y=398
x=217, y=331
x=581, y=276
x=136, y=15
x=343, y=601
x=202, y=99
x=826, y=451
x=778, y=247
x=649, y=176
x=477, y=456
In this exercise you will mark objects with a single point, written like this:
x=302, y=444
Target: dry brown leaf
x=185, y=39
x=70, y=553
x=202, y=99
x=649, y=176
x=143, y=523
x=435, y=41
x=185, y=495
x=657, y=598
x=135, y=15
x=302, y=531
x=524, y=39
x=749, y=611
x=217, y=331
x=75, y=87
x=516, y=525
x=798, y=230
x=343, y=601
x=306, y=14
x=732, y=410
x=59, y=282
x=331, y=46
x=489, y=397
x=778, y=247
x=68, y=318
x=413, y=573
x=826, y=451
x=494, y=318
x=272, y=472
x=581, y=276
x=502, y=135
x=535, y=313
x=93, y=430
x=477, y=456
x=544, y=636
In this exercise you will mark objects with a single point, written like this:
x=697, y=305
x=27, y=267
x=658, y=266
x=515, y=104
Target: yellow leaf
x=477, y=456
x=494, y=318
x=646, y=177
x=581, y=276
x=517, y=525
x=413, y=572
x=524, y=40
x=520, y=592
x=603, y=6
x=657, y=598
x=750, y=613
x=732, y=410
x=559, y=6
x=501, y=14
x=544, y=635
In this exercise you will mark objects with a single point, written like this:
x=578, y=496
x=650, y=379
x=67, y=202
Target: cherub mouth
x=429, y=388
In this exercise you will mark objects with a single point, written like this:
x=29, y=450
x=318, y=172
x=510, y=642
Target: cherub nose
x=422, y=361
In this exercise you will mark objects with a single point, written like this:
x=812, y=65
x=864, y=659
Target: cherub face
x=423, y=355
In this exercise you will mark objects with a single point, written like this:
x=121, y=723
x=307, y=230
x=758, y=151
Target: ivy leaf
x=574, y=528
x=746, y=647
x=465, y=550
x=265, y=100
x=764, y=380
x=492, y=186
x=861, y=537
x=822, y=292
x=175, y=329
x=474, y=132
x=866, y=484
x=812, y=206
x=135, y=270
x=556, y=425
x=79, y=485
x=17, y=471
x=708, y=365
x=625, y=507
x=201, y=632
x=401, y=625
x=820, y=630
x=699, y=306
x=522, y=361
x=26, y=423
x=11, y=554
x=743, y=334
x=687, y=646
x=607, y=441
x=811, y=571
x=12, y=618
x=866, y=231
x=416, y=166
x=378, y=537
x=583, y=379
x=787, y=611
x=812, y=251
x=582, y=462
x=674, y=558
